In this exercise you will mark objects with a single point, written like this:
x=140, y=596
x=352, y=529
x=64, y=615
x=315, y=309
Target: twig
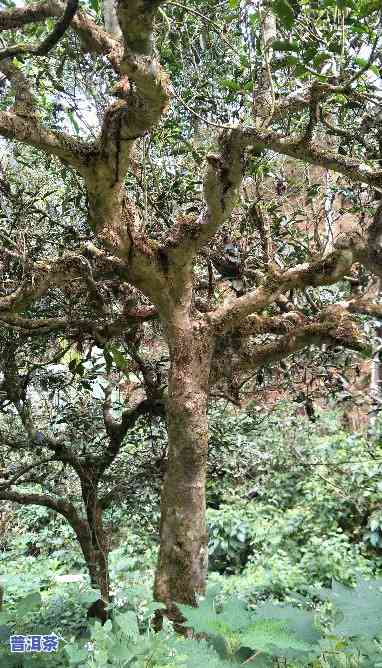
x=202, y=118
x=50, y=41
x=259, y=651
x=207, y=20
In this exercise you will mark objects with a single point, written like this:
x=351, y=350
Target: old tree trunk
x=182, y=563
x=94, y=544
x=95, y=549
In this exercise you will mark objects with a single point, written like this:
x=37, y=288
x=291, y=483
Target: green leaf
x=254, y=19
x=29, y=603
x=12, y=662
x=76, y=655
x=5, y=632
x=231, y=84
x=366, y=7
x=197, y=653
x=284, y=10
x=285, y=45
x=119, y=359
x=363, y=63
x=151, y=608
x=361, y=608
x=272, y=636
x=300, y=622
x=88, y=597
x=204, y=619
x=128, y=624
x=235, y=614
x=320, y=58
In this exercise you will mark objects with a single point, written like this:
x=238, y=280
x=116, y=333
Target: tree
x=289, y=70
x=68, y=457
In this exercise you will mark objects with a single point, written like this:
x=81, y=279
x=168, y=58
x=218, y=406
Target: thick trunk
x=98, y=556
x=375, y=387
x=182, y=563
x=376, y=374
x=97, y=564
x=91, y=537
x=111, y=18
x=99, y=572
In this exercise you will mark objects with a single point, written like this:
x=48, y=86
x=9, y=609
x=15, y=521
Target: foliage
x=228, y=544
x=303, y=507
x=294, y=536
x=231, y=632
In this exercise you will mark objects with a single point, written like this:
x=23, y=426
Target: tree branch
x=43, y=276
x=25, y=102
x=221, y=185
x=312, y=153
x=73, y=151
x=118, y=430
x=322, y=272
x=332, y=326
x=59, y=505
x=22, y=472
x=49, y=42
x=93, y=37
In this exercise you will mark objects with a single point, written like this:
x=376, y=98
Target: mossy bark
x=182, y=563
x=94, y=545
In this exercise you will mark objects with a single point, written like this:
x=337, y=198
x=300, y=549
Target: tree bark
x=182, y=562
x=111, y=19
x=99, y=572
x=97, y=547
x=91, y=537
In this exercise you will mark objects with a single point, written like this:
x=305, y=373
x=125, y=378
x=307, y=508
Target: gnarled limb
x=297, y=147
x=136, y=19
x=117, y=430
x=43, y=276
x=94, y=38
x=363, y=306
x=11, y=19
x=49, y=42
x=221, y=185
x=72, y=151
x=323, y=272
x=332, y=326
x=25, y=102
x=225, y=171
x=101, y=331
x=62, y=507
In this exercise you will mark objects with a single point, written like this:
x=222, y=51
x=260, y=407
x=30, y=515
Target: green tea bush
x=315, y=510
